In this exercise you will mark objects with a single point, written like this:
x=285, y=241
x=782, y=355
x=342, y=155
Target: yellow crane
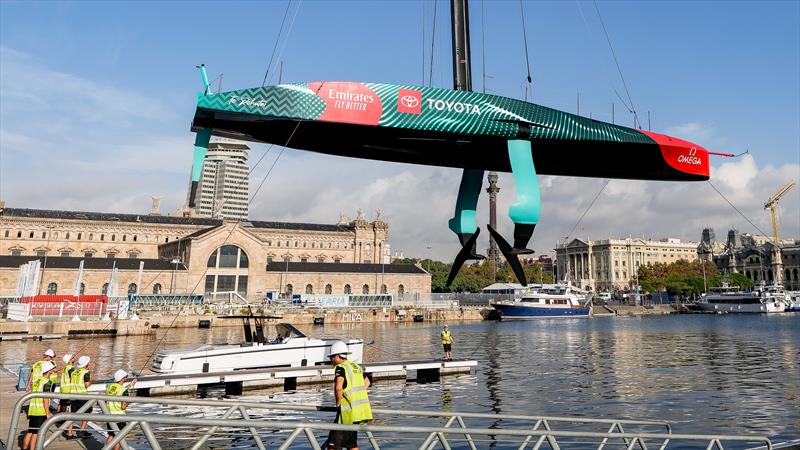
x=772, y=205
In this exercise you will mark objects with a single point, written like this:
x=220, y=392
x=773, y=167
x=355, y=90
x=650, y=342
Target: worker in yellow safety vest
x=65, y=386
x=447, y=342
x=39, y=408
x=80, y=380
x=36, y=368
x=118, y=389
x=350, y=389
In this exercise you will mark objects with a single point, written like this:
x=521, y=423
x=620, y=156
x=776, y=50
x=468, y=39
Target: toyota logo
x=409, y=101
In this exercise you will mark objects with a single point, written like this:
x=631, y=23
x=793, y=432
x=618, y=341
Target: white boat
x=551, y=300
x=727, y=299
x=288, y=348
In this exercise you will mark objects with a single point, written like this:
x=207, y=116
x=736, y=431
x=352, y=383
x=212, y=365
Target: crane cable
x=587, y=210
x=433, y=41
x=529, y=86
x=277, y=39
x=735, y=208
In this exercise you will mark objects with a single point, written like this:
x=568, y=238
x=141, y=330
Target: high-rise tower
x=224, y=186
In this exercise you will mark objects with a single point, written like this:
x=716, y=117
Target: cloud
x=105, y=148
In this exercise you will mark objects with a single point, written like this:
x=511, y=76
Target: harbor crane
x=772, y=205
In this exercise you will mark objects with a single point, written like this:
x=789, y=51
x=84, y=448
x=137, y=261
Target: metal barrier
x=530, y=431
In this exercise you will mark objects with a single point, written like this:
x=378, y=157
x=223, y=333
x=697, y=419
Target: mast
x=462, y=62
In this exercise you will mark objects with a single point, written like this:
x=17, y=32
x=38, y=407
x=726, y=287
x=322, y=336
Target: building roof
x=73, y=262
x=281, y=266
x=168, y=220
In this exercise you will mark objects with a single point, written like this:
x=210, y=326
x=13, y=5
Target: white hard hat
x=67, y=358
x=120, y=374
x=339, y=348
x=49, y=352
x=83, y=361
x=48, y=366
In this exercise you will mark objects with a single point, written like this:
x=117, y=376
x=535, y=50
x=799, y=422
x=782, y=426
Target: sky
x=96, y=100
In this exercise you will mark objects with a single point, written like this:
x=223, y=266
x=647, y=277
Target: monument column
x=493, y=190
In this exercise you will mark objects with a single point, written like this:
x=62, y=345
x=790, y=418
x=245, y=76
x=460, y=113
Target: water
x=734, y=374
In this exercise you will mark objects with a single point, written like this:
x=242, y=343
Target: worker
x=39, y=408
x=447, y=343
x=65, y=387
x=350, y=389
x=36, y=368
x=118, y=389
x=81, y=379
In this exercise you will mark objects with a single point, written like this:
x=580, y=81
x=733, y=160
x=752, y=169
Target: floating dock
x=235, y=382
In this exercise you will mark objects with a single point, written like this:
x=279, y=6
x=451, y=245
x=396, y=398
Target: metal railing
x=522, y=430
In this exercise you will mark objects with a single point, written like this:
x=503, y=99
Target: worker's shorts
x=34, y=423
x=448, y=347
x=111, y=431
x=338, y=440
x=75, y=405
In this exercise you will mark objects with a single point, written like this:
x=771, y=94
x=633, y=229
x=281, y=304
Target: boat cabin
x=258, y=330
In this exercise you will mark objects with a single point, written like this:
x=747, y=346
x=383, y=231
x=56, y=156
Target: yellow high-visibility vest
x=446, y=338
x=36, y=407
x=78, y=385
x=66, y=380
x=115, y=390
x=355, y=401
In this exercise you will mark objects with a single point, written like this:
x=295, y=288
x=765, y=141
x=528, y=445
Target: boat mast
x=462, y=62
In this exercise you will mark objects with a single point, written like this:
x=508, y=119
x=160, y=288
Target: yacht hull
x=517, y=312
x=754, y=308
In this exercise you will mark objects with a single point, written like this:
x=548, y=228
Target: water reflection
x=727, y=373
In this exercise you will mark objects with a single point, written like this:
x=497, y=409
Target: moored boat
x=554, y=300
x=727, y=299
x=289, y=348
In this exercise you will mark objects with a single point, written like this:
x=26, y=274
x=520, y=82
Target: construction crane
x=772, y=205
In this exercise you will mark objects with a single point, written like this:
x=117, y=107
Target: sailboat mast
x=462, y=61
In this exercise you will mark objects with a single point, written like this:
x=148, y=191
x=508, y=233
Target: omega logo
x=409, y=101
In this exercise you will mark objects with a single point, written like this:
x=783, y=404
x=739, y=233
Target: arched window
x=309, y=289
x=383, y=289
x=52, y=289
x=747, y=274
x=401, y=290
x=132, y=288
x=787, y=275
x=83, y=288
x=328, y=289
x=105, y=289
x=228, y=257
x=795, y=274
x=347, y=289
x=289, y=289
x=769, y=275
x=157, y=288
x=365, y=289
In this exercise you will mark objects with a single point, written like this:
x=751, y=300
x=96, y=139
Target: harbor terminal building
x=612, y=264
x=192, y=255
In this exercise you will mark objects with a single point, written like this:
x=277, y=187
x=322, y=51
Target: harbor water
x=731, y=374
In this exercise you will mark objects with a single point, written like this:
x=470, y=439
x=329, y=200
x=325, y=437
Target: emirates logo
x=409, y=101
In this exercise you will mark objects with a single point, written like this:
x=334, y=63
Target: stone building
x=197, y=255
x=754, y=256
x=612, y=264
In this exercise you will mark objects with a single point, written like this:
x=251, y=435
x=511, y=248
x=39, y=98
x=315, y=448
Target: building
x=224, y=186
x=612, y=264
x=754, y=256
x=198, y=255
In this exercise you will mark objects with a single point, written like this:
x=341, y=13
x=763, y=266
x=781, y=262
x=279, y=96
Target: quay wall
x=150, y=322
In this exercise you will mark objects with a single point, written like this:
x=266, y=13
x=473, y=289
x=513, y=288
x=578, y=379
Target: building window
x=367, y=261
x=102, y=237
x=52, y=289
x=279, y=243
x=88, y=254
x=65, y=254
x=8, y=233
x=113, y=237
x=80, y=235
x=41, y=253
x=124, y=237
x=44, y=234
x=383, y=289
x=68, y=235
x=111, y=255
x=347, y=289
x=309, y=289
x=91, y=236
x=303, y=260
x=269, y=260
x=157, y=288
x=31, y=235
x=132, y=288
x=401, y=290
x=228, y=257
x=105, y=289
x=133, y=255
x=83, y=288
x=135, y=237
x=289, y=289
x=365, y=289
x=328, y=289
x=337, y=260
x=296, y=244
x=209, y=283
x=320, y=259
x=269, y=243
